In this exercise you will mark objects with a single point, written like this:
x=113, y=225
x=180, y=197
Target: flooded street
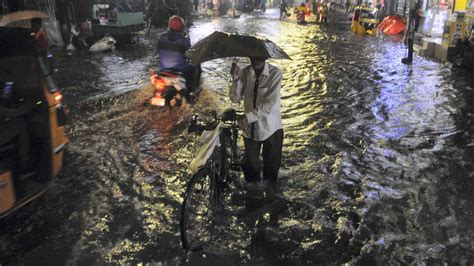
x=377, y=160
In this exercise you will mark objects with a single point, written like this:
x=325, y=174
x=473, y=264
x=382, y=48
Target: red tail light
x=158, y=83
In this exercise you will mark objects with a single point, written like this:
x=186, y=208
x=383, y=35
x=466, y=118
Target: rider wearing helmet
x=172, y=45
x=171, y=48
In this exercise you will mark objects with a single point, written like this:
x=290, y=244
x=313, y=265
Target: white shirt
x=266, y=116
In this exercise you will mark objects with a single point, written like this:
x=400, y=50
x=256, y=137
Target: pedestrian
x=308, y=7
x=41, y=41
x=332, y=7
x=210, y=8
x=150, y=17
x=413, y=24
x=256, y=5
x=283, y=10
x=323, y=12
x=258, y=85
x=263, y=5
x=196, y=6
x=348, y=6
x=418, y=15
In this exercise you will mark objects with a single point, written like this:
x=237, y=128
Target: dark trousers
x=410, y=48
x=193, y=78
x=271, y=157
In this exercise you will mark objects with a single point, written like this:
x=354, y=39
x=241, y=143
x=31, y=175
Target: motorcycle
x=170, y=89
x=104, y=44
x=300, y=17
x=77, y=42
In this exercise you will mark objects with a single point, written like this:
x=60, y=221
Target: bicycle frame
x=219, y=133
x=212, y=167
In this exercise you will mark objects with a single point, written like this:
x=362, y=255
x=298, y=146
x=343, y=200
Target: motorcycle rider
x=171, y=49
x=172, y=45
x=300, y=14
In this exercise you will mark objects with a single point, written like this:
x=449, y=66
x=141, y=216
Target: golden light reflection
x=314, y=106
x=121, y=253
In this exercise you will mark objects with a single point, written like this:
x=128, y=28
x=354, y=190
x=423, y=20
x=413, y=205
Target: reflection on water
x=377, y=161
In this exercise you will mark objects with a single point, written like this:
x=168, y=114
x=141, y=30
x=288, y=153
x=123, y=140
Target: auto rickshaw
x=32, y=119
x=300, y=13
x=365, y=20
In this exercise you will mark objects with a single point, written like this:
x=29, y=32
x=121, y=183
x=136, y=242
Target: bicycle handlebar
x=229, y=117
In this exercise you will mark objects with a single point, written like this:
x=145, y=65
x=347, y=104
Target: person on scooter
x=171, y=49
x=172, y=45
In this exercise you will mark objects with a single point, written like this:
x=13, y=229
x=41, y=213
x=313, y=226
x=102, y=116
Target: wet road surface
x=377, y=163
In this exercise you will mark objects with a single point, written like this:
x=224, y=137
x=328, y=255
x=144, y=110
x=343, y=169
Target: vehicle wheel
x=196, y=210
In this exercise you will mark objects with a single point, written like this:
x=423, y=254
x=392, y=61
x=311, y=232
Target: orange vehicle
x=32, y=119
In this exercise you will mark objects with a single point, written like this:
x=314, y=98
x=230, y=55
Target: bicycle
x=215, y=167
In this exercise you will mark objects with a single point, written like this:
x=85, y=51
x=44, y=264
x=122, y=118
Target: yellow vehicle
x=365, y=20
x=299, y=8
x=32, y=120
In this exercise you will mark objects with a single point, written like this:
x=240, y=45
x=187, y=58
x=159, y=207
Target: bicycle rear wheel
x=196, y=210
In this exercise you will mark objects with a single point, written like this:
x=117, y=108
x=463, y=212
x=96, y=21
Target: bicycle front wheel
x=196, y=216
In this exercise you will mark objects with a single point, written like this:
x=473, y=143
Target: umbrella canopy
x=222, y=44
x=21, y=16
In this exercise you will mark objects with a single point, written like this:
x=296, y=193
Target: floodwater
x=377, y=161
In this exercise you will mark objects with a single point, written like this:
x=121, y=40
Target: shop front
x=442, y=24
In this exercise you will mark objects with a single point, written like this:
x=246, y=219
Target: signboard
x=453, y=31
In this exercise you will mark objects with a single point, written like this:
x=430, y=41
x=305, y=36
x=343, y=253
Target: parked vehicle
x=32, y=120
x=117, y=20
x=76, y=42
x=365, y=20
x=104, y=44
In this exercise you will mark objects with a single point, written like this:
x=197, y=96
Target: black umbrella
x=222, y=44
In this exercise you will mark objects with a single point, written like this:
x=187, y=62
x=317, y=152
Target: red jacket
x=41, y=42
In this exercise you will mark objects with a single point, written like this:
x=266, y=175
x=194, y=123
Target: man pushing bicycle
x=259, y=86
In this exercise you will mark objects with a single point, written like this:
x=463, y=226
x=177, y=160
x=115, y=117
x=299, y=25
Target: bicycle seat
x=170, y=73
